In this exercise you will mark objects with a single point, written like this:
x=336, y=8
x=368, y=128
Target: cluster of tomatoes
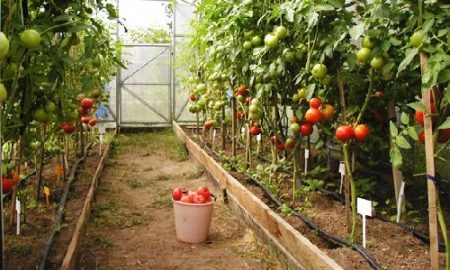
x=202, y=195
x=344, y=133
x=86, y=104
x=317, y=112
x=444, y=134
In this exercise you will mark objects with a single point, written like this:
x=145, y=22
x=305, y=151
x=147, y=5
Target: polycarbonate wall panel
x=145, y=104
x=181, y=95
x=146, y=65
x=184, y=12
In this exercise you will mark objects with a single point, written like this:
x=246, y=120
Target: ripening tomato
x=344, y=133
x=422, y=137
x=306, y=129
x=85, y=119
x=255, y=130
x=7, y=185
x=289, y=144
x=327, y=112
x=187, y=199
x=361, y=132
x=242, y=90
x=192, y=97
x=295, y=127
x=313, y=115
x=177, y=193
x=69, y=128
x=92, y=122
x=315, y=103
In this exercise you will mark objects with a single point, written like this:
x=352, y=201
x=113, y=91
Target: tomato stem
x=345, y=149
x=367, y=99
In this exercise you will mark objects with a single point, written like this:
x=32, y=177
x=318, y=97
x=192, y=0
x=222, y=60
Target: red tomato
x=198, y=198
x=242, y=90
x=69, y=129
x=62, y=125
x=209, y=124
x=248, y=100
x=192, y=97
x=7, y=185
x=92, y=122
x=420, y=116
x=444, y=135
x=85, y=119
x=177, y=193
x=83, y=112
x=422, y=137
x=280, y=147
x=187, y=199
x=255, y=131
x=313, y=115
x=306, y=129
x=344, y=133
x=315, y=103
x=327, y=112
x=361, y=132
x=204, y=191
x=87, y=103
x=379, y=94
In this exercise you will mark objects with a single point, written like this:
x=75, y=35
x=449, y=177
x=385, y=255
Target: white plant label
x=306, y=160
x=18, y=216
x=364, y=208
x=101, y=128
x=213, y=136
x=401, y=195
x=342, y=172
x=243, y=132
x=258, y=138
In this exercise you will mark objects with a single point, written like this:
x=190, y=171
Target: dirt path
x=132, y=224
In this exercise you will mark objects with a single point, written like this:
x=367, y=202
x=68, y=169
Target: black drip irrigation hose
x=330, y=237
x=416, y=233
x=59, y=214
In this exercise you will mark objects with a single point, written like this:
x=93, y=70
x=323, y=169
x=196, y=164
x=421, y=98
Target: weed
x=21, y=249
x=103, y=242
x=164, y=177
x=162, y=202
x=135, y=183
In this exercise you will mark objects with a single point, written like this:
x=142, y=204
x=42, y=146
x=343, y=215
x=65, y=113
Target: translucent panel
x=182, y=104
x=145, y=104
x=143, y=14
x=184, y=12
x=146, y=64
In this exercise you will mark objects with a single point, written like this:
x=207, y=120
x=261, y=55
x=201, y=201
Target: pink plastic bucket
x=192, y=221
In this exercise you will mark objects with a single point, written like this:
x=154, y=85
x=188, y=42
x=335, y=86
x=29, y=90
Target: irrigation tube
x=59, y=214
x=330, y=237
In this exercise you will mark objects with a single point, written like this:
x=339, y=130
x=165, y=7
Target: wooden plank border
x=279, y=231
x=73, y=250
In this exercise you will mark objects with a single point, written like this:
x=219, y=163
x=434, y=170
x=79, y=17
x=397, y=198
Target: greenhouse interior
x=225, y=134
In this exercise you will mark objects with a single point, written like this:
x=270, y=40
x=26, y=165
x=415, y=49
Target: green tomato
x=280, y=32
x=254, y=116
x=302, y=93
x=256, y=102
x=240, y=98
x=319, y=71
x=201, y=87
x=3, y=93
x=296, y=98
x=49, y=107
x=367, y=43
x=295, y=128
x=4, y=170
x=288, y=55
x=40, y=115
x=271, y=41
x=253, y=109
x=256, y=41
x=30, y=38
x=363, y=54
x=377, y=62
x=325, y=80
x=247, y=45
x=417, y=38
x=4, y=45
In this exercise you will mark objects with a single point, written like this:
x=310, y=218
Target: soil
x=132, y=224
x=27, y=248
x=391, y=246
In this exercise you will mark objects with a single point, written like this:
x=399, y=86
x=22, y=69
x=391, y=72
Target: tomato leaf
x=356, y=31
x=409, y=56
x=393, y=129
x=396, y=157
x=404, y=118
x=310, y=91
x=413, y=133
x=402, y=142
x=417, y=106
x=444, y=76
x=446, y=124
x=395, y=41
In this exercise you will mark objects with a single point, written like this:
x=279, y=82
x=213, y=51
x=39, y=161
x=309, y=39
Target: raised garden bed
x=389, y=245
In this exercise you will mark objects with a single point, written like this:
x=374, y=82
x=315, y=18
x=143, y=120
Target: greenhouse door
x=144, y=87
